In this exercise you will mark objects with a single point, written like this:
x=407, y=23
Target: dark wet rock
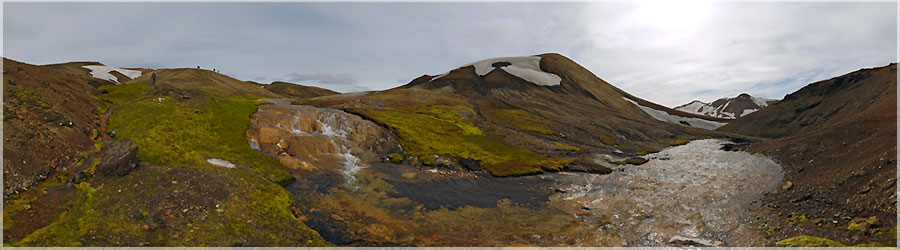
x=79, y=177
x=470, y=164
x=500, y=64
x=119, y=157
x=587, y=166
x=636, y=161
x=729, y=147
x=137, y=215
x=737, y=139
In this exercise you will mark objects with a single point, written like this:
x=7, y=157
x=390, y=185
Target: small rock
x=137, y=215
x=787, y=186
x=80, y=176
x=119, y=158
x=692, y=242
x=219, y=210
x=27, y=206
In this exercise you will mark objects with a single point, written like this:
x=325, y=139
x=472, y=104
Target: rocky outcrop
x=304, y=137
x=118, y=158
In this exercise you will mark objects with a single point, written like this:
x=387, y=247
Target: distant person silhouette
x=153, y=79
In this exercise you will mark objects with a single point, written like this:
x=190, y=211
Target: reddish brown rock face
x=303, y=137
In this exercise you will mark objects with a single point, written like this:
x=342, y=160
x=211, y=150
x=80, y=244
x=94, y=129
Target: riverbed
x=693, y=194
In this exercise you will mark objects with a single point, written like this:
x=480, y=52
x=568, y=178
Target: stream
x=694, y=194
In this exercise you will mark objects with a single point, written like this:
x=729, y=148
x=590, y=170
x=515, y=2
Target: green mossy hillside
x=175, y=197
x=521, y=120
x=185, y=134
x=442, y=130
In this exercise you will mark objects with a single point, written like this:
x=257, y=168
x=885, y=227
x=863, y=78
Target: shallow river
x=689, y=194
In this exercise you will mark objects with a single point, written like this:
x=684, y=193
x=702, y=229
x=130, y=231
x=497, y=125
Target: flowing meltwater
x=689, y=195
x=693, y=192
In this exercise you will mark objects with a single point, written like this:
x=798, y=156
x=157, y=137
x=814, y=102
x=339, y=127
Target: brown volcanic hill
x=836, y=140
x=537, y=113
x=293, y=90
x=49, y=117
x=190, y=81
x=820, y=105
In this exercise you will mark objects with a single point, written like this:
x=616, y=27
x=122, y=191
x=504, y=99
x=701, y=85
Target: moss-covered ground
x=175, y=198
x=522, y=120
x=443, y=130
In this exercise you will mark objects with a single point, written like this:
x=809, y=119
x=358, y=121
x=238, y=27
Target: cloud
x=666, y=53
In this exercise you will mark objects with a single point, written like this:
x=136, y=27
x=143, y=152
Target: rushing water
x=691, y=193
x=694, y=191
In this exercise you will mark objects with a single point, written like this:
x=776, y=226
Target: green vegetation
x=176, y=138
x=449, y=114
x=395, y=158
x=522, y=120
x=566, y=147
x=636, y=161
x=185, y=134
x=808, y=241
x=125, y=93
x=28, y=98
x=678, y=142
x=442, y=130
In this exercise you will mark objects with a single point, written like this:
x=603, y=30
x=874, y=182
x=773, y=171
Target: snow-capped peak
x=729, y=108
x=526, y=67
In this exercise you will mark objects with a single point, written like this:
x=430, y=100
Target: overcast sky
x=664, y=52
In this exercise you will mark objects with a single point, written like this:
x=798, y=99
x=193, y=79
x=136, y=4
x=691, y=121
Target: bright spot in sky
x=671, y=15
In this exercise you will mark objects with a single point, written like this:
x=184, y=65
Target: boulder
x=118, y=158
x=587, y=166
x=636, y=161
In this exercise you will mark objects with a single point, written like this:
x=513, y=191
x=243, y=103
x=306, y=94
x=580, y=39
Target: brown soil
x=38, y=106
x=293, y=90
x=836, y=140
x=191, y=82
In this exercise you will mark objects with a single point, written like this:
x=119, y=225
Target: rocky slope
x=520, y=115
x=293, y=90
x=49, y=118
x=728, y=108
x=837, y=141
x=177, y=172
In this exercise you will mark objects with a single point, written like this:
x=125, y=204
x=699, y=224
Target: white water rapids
x=693, y=191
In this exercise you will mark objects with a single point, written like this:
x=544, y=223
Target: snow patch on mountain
x=762, y=102
x=748, y=111
x=666, y=117
x=526, y=67
x=104, y=72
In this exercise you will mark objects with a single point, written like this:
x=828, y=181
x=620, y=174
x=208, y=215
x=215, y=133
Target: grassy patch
x=177, y=137
x=427, y=131
x=808, y=241
x=185, y=134
x=395, y=158
x=124, y=94
x=678, y=142
x=28, y=98
x=566, y=147
x=521, y=120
